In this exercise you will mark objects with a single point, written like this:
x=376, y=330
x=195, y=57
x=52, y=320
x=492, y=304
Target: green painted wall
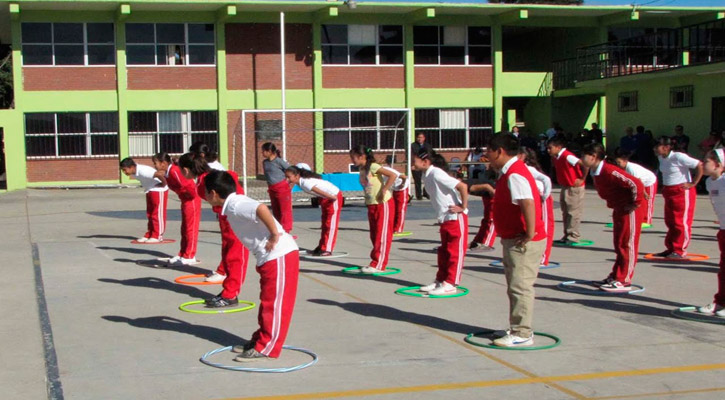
x=537, y=115
x=574, y=113
x=12, y=123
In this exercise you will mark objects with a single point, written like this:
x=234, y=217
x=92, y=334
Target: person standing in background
x=415, y=147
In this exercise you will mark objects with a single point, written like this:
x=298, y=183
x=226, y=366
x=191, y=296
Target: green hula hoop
x=644, y=225
x=469, y=340
x=413, y=292
x=402, y=234
x=682, y=313
x=580, y=243
x=357, y=271
x=184, y=307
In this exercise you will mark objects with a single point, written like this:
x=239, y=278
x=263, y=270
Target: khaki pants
x=571, y=200
x=521, y=267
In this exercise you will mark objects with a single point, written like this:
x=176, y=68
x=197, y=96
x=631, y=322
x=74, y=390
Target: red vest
x=566, y=173
x=507, y=217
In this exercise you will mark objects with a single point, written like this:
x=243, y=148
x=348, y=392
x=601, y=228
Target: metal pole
x=284, y=94
x=244, y=151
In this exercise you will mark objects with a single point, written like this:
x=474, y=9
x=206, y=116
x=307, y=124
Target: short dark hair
x=221, y=182
x=640, y=129
x=664, y=141
x=128, y=162
x=558, y=140
x=162, y=157
x=196, y=164
x=594, y=149
x=622, y=153
x=507, y=142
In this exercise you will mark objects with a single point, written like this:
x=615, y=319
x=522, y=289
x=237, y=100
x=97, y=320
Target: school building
x=97, y=81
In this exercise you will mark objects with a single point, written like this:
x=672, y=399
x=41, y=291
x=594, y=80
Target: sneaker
x=369, y=270
x=444, y=289
x=215, y=277
x=316, y=252
x=241, y=348
x=616, y=287
x=675, y=256
x=511, y=340
x=218, y=302
x=212, y=300
x=142, y=239
x=606, y=281
x=712, y=309
x=428, y=288
x=476, y=247
x=152, y=240
x=174, y=260
x=325, y=254
x=250, y=355
x=189, y=261
x=662, y=254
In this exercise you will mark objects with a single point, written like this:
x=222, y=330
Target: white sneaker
x=215, y=278
x=152, y=240
x=369, y=270
x=189, y=261
x=428, y=288
x=443, y=289
x=514, y=341
x=174, y=259
x=142, y=239
x=711, y=309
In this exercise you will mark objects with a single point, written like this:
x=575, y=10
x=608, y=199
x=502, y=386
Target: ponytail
x=270, y=147
x=196, y=164
x=302, y=172
x=362, y=150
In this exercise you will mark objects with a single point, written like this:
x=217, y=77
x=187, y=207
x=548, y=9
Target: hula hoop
x=551, y=265
x=683, y=313
x=204, y=360
x=568, y=286
x=644, y=225
x=409, y=291
x=183, y=280
x=469, y=340
x=165, y=241
x=184, y=307
x=357, y=271
x=402, y=234
x=339, y=254
x=692, y=257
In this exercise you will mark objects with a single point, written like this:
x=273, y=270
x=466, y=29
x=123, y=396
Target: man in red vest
x=571, y=175
x=517, y=215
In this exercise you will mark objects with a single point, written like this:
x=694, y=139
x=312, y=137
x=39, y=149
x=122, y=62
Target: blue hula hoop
x=204, y=360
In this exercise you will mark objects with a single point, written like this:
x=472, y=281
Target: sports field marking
x=638, y=396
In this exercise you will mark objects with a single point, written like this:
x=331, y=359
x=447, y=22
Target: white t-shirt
x=241, y=212
x=216, y=165
x=716, y=188
x=543, y=182
x=518, y=185
x=571, y=159
x=676, y=168
x=399, y=183
x=441, y=188
x=145, y=175
x=647, y=177
x=307, y=184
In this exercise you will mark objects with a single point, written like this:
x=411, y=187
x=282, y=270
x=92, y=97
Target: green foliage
x=6, y=77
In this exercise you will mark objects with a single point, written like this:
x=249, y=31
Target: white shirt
x=216, y=165
x=399, y=183
x=307, y=184
x=442, y=190
x=518, y=185
x=647, y=177
x=543, y=182
x=571, y=159
x=145, y=175
x=716, y=188
x=676, y=168
x=241, y=212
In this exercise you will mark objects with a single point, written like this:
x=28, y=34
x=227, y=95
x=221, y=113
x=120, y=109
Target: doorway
x=718, y=114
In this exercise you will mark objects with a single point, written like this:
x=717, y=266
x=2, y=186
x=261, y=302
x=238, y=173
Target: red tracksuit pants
x=156, y=213
x=278, y=281
x=452, y=251
x=547, y=212
x=235, y=258
x=652, y=193
x=720, y=295
x=190, y=218
x=400, y=198
x=380, y=218
x=280, y=197
x=487, y=231
x=330, y=221
x=679, y=213
x=626, y=231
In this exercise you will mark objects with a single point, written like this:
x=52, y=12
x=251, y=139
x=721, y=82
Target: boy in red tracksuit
x=624, y=194
x=571, y=176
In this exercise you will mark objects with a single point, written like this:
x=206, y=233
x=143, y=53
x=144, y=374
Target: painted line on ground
x=660, y=394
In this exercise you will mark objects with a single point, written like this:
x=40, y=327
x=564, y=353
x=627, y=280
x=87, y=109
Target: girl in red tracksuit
x=714, y=167
x=168, y=173
x=401, y=187
x=232, y=269
x=486, y=235
x=543, y=185
x=624, y=194
x=380, y=205
x=280, y=193
x=330, y=203
x=648, y=178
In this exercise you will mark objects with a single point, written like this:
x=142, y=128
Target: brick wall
x=453, y=77
x=334, y=77
x=72, y=170
x=253, y=56
x=69, y=78
x=170, y=78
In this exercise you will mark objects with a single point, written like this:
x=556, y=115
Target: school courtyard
x=86, y=318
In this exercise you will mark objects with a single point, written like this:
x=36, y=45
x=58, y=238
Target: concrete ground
x=83, y=320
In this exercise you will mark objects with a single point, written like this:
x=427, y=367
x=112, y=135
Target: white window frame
x=466, y=46
x=186, y=45
x=85, y=47
x=377, y=47
x=375, y=129
x=441, y=131
x=88, y=134
x=186, y=133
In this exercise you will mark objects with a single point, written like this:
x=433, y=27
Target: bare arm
x=388, y=184
x=585, y=172
x=482, y=186
x=264, y=215
x=160, y=175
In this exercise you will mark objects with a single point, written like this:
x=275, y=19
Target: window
x=379, y=130
x=362, y=44
x=455, y=128
x=681, y=96
x=68, y=43
x=171, y=132
x=170, y=44
x=71, y=135
x=452, y=45
x=627, y=102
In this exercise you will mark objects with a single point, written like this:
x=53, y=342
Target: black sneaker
x=675, y=256
x=221, y=302
x=241, y=348
x=212, y=300
x=663, y=254
x=250, y=356
x=603, y=282
x=316, y=252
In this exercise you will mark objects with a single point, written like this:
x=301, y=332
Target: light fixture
x=351, y=4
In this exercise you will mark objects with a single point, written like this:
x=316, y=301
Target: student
x=156, y=199
x=232, y=269
x=280, y=194
x=484, y=186
x=401, y=198
x=476, y=155
x=330, y=203
x=415, y=147
x=571, y=175
x=714, y=167
x=680, y=196
x=624, y=194
x=543, y=185
x=647, y=177
x=278, y=264
x=379, y=203
x=517, y=215
x=211, y=156
x=449, y=198
x=169, y=173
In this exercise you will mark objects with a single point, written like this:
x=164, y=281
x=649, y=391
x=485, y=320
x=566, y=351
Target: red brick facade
x=443, y=77
x=171, y=78
x=358, y=77
x=69, y=78
x=72, y=170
